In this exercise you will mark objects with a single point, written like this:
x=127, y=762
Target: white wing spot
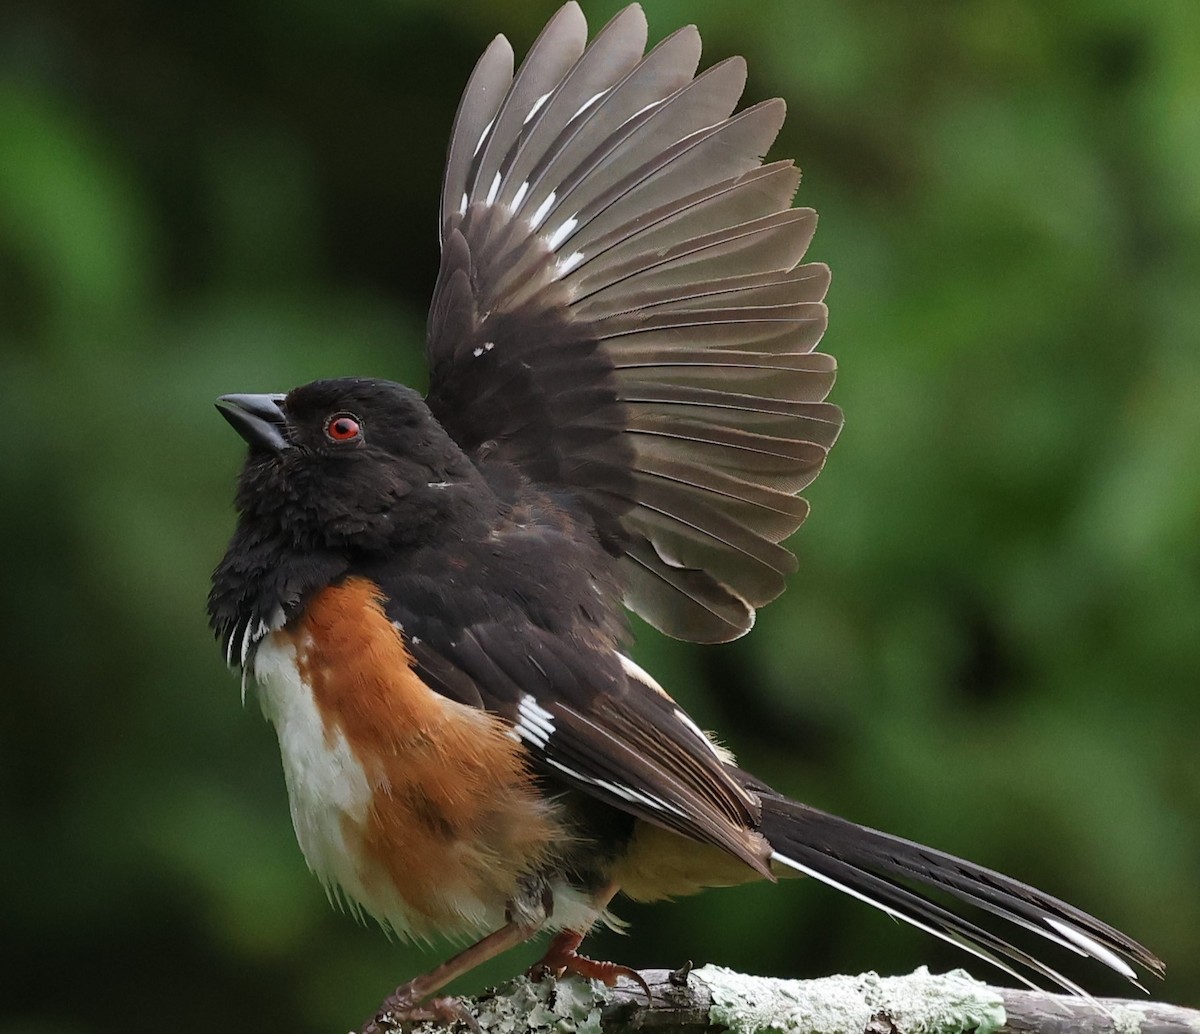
x=627, y=793
x=569, y=263
x=537, y=104
x=482, y=137
x=636, y=671
x=534, y=722
x=522, y=190
x=652, y=104
x=493, y=190
x=562, y=233
x=588, y=103
x=543, y=211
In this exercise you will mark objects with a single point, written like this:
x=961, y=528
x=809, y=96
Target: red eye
x=342, y=428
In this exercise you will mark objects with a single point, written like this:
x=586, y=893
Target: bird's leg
x=411, y=1001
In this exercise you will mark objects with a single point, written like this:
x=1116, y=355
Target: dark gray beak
x=257, y=418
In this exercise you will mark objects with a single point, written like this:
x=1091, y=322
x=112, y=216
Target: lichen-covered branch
x=716, y=999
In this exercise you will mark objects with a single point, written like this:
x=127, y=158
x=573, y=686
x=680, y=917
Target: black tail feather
x=881, y=869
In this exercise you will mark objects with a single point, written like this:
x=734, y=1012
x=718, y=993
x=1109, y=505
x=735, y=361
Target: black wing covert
x=620, y=311
x=593, y=720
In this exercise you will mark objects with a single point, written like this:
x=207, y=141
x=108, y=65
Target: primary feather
x=620, y=311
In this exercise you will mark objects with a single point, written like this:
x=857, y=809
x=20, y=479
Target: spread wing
x=620, y=311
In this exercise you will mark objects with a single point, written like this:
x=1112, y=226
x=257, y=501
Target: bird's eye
x=342, y=427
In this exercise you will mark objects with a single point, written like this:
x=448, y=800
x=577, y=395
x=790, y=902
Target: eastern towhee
x=624, y=404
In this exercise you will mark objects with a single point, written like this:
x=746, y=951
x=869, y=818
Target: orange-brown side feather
x=455, y=816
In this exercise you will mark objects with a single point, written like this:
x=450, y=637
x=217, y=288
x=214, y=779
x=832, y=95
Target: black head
x=347, y=464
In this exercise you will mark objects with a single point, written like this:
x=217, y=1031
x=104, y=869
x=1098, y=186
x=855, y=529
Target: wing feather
x=588, y=722
x=481, y=100
x=549, y=59
x=621, y=312
x=616, y=49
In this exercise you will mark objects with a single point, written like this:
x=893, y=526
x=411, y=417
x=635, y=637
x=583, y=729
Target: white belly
x=326, y=785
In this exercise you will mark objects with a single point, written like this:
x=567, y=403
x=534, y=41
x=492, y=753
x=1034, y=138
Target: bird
x=431, y=593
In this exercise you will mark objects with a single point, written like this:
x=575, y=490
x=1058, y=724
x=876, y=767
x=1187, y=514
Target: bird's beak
x=257, y=418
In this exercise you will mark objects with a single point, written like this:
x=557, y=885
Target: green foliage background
x=992, y=642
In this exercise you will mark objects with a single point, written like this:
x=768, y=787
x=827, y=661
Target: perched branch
x=715, y=999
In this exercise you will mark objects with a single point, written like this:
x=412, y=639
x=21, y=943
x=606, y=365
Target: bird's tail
x=891, y=874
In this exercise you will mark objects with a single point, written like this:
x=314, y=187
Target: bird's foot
x=561, y=958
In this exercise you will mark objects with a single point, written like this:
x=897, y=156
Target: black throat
x=275, y=563
x=259, y=584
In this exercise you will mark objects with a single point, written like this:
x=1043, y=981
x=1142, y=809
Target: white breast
x=326, y=785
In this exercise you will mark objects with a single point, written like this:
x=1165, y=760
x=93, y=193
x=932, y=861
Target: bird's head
x=351, y=463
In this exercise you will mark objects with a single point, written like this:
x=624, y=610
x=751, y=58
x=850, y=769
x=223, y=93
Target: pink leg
x=409, y=1001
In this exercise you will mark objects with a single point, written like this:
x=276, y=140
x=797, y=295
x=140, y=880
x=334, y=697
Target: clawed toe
x=561, y=958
